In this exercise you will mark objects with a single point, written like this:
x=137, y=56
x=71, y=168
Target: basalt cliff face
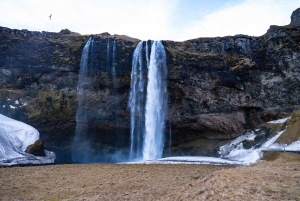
x=221, y=86
x=218, y=87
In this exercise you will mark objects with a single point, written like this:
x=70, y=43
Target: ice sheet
x=191, y=160
x=226, y=149
x=15, y=137
x=295, y=146
x=19, y=134
x=272, y=140
x=279, y=121
x=233, y=153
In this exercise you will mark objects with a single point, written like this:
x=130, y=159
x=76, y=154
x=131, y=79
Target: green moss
x=3, y=94
x=292, y=129
x=177, y=67
x=270, y=156
x=242, y=64
x=36, y=149
x=51, y=105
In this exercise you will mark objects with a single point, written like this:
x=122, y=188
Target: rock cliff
x=218, y=87
x=295, y=18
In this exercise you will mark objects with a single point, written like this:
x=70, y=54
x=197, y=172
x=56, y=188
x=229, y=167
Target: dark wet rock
x=65, y=31
x=259, y=138
x=36, y=149
x=295, y=18
x=247, y=144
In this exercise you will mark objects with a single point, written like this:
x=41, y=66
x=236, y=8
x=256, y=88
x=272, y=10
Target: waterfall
x=137, y=103
x=148, y=101
x=79, y=152
x=107, y=54
x=156, y=103
x=113, y=69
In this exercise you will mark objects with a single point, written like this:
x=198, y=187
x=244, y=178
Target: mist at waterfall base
x=147, y=103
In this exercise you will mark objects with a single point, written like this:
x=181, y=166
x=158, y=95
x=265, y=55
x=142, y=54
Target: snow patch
x=227, y=148
x=12, y=107
x=232, y=153
x=15, y=137
x=295, y=146
x=279, y=121
x=272, y=140
x=190, y=160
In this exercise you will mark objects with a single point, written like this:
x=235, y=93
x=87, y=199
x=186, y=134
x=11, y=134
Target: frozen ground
x=279, y=121
x=234, y=153
x=15, y=137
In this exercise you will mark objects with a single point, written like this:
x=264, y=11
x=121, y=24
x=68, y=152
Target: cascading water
x=90, y=145
x=148, y=102
x=156, y=103
x=79, y=152
x=107, y=54
x=113, y=69
x=137, y=103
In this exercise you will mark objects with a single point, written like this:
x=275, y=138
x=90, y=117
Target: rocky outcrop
x=218, y=87
x=295, y=18
x=36, y=149
x=223, y=86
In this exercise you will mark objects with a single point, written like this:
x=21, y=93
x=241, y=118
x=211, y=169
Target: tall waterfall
x=148, y=101
x=80, y=154
x=156, y=103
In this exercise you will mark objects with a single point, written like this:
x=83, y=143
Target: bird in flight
x=50, y=16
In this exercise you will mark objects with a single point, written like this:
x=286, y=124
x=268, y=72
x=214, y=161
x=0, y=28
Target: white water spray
x=137, y=104
x=113, y=69
x=148, y=102
x=156, y=103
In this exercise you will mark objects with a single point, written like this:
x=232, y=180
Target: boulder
x=36, y=149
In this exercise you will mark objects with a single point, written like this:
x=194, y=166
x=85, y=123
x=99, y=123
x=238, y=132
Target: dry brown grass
x=292, y=132
x=278, y=179
x=271, y=156
x=98, y=181
x=267, y=180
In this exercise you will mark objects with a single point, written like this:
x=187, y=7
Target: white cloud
x=136, y=18
x=251, y=17
x=146, y=19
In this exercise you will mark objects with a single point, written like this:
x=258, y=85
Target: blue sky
x=149, y=19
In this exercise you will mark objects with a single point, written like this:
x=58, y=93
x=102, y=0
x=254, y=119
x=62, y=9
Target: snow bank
x=271, y=141
x=295, y=146
x=15, y=137
x=190, y=160
x=233, y=153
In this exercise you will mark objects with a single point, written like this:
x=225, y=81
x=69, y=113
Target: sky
x=149, y=19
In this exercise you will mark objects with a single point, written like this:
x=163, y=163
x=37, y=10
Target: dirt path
x=98, y=181
x=272, y=180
